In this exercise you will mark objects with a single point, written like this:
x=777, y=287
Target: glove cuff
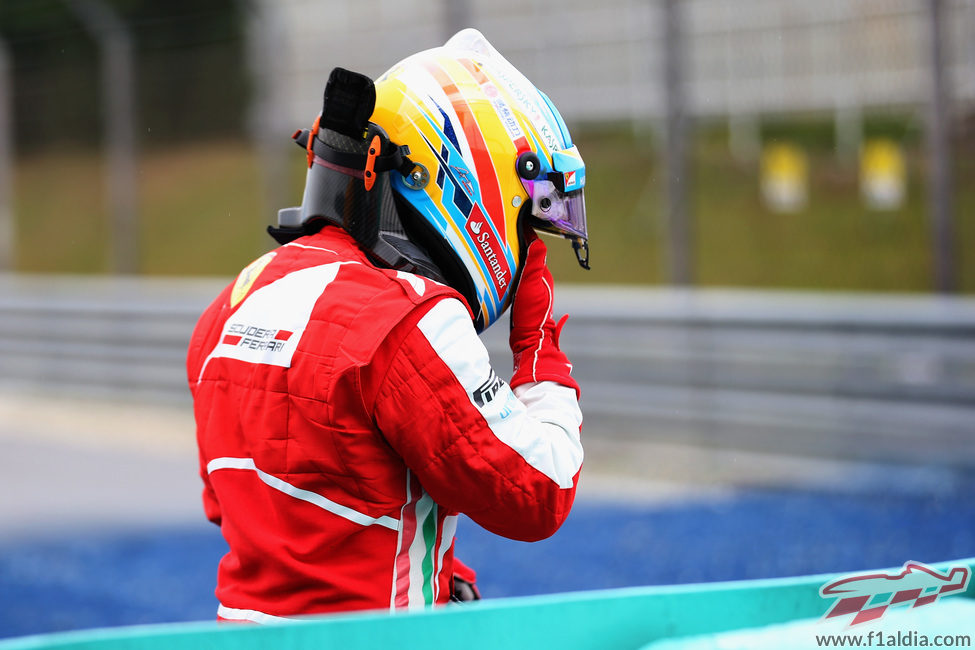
x=538, y=358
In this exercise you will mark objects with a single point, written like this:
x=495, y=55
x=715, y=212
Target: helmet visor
x=562, y=213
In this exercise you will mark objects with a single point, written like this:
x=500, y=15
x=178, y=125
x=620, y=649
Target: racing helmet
x=439, y=166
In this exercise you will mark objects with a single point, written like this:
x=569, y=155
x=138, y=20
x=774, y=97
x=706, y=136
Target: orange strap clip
x=369, y=176
x=311, y=140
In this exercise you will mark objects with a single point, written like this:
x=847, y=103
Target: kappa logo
x=488, y=390
x=869, y=595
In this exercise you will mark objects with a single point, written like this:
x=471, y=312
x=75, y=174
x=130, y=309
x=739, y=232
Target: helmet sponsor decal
x=478, y=230
x=530, y=106
x=505, y=115
x=489, y=250
x=569, y=163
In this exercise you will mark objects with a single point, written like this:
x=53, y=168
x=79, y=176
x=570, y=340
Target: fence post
x=8, y=227
x=267, y=48
x=118, y=116
x=940, y=186
x=677, y=218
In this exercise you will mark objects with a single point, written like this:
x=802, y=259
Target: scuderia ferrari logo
x=255, y=338
x=271, y=320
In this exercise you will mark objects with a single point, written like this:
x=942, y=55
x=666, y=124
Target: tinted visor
x=555, y=211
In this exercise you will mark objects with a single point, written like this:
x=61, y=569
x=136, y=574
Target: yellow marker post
x=784, y=177
x=883, y=174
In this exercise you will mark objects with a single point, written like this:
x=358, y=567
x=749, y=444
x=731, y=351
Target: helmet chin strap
x=581, y=248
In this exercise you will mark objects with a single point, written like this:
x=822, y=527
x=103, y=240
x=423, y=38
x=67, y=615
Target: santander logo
x=485, y=241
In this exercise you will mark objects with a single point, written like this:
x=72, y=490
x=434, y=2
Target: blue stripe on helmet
x=563, y=129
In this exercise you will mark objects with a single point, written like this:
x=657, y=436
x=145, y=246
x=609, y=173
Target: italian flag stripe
x=414, y=570
x=401, y=571
x=429, y=543
x=418, y=552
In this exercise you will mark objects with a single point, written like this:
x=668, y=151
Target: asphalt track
x=100, y=522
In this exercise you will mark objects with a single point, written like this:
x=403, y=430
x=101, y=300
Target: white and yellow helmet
x=475, y=154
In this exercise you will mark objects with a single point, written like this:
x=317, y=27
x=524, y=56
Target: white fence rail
x=890, y=378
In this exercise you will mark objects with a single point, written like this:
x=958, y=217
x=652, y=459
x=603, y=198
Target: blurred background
x=776, y=342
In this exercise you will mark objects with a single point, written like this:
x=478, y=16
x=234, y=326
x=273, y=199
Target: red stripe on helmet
x=486, y=174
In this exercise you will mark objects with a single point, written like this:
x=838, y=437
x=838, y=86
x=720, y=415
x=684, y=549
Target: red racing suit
x=345, y=415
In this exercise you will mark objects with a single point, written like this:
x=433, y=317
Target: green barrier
x=617, y=618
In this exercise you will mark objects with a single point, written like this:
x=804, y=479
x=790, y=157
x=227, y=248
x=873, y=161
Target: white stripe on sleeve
x=304, y=495
x=234, y=614
x=542, y=427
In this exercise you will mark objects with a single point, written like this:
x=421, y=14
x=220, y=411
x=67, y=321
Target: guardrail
x=779, y=612
x=851, y=376
x=855, y=376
